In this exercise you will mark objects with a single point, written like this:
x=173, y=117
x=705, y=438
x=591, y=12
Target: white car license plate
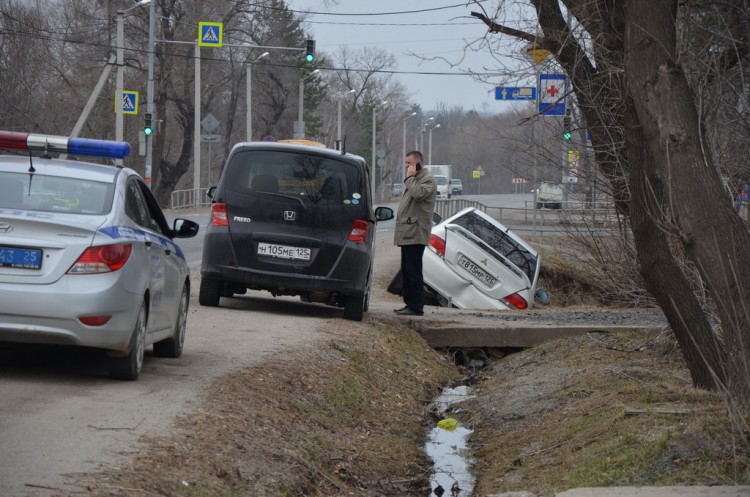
x=284, y=251
x=477, y=272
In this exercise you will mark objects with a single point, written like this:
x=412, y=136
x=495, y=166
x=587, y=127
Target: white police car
x=86, y=255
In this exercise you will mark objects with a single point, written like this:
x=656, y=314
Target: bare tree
x=596, y=69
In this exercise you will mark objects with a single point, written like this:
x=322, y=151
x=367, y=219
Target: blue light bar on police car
x=64, y=145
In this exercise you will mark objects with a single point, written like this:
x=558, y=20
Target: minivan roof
x=296, y=147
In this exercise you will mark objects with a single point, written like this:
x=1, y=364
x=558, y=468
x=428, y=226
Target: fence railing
x=189, y=199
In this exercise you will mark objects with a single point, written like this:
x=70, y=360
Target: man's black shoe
x=409, y=312
x=401, y=309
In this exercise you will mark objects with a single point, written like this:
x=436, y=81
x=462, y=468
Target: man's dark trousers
x=411, y=274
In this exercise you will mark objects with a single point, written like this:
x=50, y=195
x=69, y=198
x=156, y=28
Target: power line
x=308, y=12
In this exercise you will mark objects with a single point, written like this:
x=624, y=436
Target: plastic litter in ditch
x=447, y=447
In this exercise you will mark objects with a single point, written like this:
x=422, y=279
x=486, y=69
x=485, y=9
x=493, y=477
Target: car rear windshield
x=312, y=178
x=500, y=241
x=39, y=192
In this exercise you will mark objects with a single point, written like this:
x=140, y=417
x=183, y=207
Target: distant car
x=549, y=195
x=457, y=188
x=475, y=262
x=443, y=189
x=292, y=219
x=397, y=190
x=86, y=255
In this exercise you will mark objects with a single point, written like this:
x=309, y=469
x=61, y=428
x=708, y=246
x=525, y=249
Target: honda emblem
x=290, y=215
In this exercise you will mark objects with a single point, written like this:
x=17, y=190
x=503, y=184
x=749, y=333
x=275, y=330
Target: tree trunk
x=662, y=275
x=712, y=235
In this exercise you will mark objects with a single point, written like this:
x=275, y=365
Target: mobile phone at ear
x=419, y=166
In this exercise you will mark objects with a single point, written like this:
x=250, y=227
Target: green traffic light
x=147, y=131
x=309, y=57
x=566, y=135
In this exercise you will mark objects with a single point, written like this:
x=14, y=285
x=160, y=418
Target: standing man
x=413, y=227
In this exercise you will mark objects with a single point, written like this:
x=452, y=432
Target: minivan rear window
x=313, y=178
x=500, y=241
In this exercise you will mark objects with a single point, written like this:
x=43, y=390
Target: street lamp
x=403, y=144
x=429, y=150
x=150, y=90
x=422, y=129
x=374, y=129
x=338, y=126
x=301, y=131
x=120, y=20
x=249, y=82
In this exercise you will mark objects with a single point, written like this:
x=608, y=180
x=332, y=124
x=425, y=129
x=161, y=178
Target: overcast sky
x=424, y=27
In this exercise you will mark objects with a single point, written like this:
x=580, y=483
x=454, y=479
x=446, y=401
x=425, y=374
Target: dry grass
x=350, y=419
x=347, y=419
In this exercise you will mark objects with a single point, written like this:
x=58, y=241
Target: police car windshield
x=38, y=192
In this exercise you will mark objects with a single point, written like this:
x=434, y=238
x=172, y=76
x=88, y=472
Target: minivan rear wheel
x=210, y=292
x=354, y=306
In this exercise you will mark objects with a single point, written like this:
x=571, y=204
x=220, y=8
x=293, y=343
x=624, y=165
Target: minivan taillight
x=102, y=259
x=517, y=301
x=219, y=214
x=438, y=244
x=359, y=231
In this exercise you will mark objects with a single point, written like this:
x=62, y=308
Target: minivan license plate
x=477, y=272
x=284, y=251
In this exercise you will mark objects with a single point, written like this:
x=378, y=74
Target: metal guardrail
x=448, y=207
x=189, y=199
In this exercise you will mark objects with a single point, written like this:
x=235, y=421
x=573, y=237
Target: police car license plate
x=284, y=251
x=22, y=258
x=477, y=271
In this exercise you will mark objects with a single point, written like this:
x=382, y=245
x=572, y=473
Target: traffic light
x=310, y=51
x=147, y=129
x=566, y=134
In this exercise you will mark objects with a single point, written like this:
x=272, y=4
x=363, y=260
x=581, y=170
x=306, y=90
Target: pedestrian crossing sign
x=128, y=102
x=210, y=34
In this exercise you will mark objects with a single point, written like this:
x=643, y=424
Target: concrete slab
x=693, y=491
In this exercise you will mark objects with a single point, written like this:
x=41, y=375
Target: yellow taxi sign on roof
x=303, y=142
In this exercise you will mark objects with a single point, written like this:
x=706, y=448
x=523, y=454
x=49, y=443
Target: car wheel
x=128, y=367
x=210, y=292
x=172, y=347
x=354, y=307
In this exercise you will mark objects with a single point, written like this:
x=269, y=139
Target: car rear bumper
x=458, y=290
x=49, y=313
x=349, y=276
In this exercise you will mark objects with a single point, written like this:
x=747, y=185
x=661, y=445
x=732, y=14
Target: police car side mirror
x=184, y=228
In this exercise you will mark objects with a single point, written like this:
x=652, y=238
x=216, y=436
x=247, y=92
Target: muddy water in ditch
x=447, y=447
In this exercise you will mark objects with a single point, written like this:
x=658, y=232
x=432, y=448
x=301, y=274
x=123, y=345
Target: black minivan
x=292, y=219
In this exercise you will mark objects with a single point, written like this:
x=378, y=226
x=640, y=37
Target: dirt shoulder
x=349, y=416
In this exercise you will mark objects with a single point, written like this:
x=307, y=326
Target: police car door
x=150, y=251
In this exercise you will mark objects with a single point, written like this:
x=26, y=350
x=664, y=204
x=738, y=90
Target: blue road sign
x=515, y=93
x=552, y=91
x=210, y=34
x=128, y=102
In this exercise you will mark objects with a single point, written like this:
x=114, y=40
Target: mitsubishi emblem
x=290, y=215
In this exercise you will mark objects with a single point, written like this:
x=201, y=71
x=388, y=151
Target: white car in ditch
x=474, y=262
